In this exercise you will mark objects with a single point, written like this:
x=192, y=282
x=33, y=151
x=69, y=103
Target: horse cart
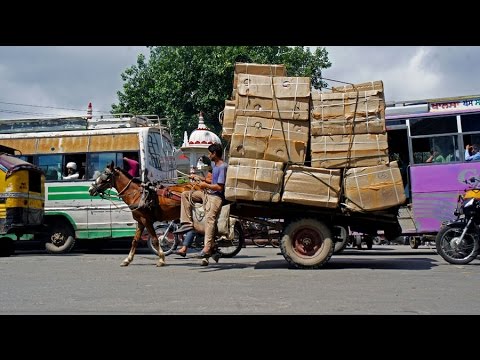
x=309, y=233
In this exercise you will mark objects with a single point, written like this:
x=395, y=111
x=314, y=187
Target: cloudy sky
x=43, y=81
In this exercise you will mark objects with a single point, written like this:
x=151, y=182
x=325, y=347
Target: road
x=384, y=280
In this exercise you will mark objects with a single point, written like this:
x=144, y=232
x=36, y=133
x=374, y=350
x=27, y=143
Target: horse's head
x=103, y=182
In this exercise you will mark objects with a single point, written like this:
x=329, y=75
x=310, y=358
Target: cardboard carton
x=310, y=186
x=346, y=151
x=374, y=188
x=257, y=180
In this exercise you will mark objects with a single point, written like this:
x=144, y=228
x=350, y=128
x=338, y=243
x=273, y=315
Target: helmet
x=72, y=165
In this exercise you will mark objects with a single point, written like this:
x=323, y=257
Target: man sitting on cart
x=212, y=196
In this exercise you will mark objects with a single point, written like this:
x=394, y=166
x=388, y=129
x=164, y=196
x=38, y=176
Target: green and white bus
x=70, y=212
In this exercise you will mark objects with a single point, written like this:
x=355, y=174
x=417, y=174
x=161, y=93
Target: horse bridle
x=107, y=177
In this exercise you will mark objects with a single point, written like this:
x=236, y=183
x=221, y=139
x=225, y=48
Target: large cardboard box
x=366, y=86
x=258, y=69
x=228, y=123
x=286, y=98
x=310, y=186
x=274, y=149
x=347, y=113
x=257, y=180
x=268, y=128
x=345, y=151
x=269, y=139
x=374, y=188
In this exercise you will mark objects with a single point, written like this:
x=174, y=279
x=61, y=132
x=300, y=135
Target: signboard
x=472, y=104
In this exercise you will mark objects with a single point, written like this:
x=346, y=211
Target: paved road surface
x=385, y=280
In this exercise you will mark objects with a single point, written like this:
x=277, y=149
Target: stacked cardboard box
x=270, y=129
x=274, y=119
x=283, y=98
x=228, y=121
x=257, y=69
x=346, y=151
x=348, y=113
x=251, y=179
x=245, y=68
x=269, y=139
x=374, y=188
x=310, y=186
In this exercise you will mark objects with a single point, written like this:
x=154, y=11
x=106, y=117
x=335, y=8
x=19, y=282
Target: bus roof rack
x=66, y=123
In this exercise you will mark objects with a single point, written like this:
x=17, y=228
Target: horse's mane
x=124, y=172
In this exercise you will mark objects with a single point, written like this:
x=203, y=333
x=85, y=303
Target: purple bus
x=428, y=138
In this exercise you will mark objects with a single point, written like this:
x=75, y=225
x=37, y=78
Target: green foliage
x=177, y=82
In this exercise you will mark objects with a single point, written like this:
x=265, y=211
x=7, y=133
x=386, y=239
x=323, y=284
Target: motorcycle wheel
x=230, y=248
x=453, y=251
x=168, y=240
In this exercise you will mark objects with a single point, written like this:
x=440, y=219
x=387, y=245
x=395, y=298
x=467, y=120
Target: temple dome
x=202, y=136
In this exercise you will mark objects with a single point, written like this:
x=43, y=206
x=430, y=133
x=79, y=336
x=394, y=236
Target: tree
x=177, y=82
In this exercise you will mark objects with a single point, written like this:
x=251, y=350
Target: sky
x=42, y=81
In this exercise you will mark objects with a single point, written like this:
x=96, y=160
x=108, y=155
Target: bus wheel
x=61, y=239
x=7, y=247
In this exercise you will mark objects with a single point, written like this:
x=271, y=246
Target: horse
x=132, y=191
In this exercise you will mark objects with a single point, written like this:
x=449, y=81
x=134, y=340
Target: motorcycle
x=457, y=242
x=169, y=241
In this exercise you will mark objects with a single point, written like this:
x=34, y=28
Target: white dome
x=202, y=136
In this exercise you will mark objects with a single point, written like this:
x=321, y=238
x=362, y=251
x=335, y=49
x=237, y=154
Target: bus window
x=80, y=162
x=445, y=146
x=433, y=125
x=51, y=166
x=97, y=163
x=470, y=123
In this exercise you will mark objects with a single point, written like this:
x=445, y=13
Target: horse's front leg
x=133, y=248
x=156, y=244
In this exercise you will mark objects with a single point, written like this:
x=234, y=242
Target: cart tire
x=307, y=243
x=342, y=239
x=392, y=232
x=414, y=242
x=369, y=242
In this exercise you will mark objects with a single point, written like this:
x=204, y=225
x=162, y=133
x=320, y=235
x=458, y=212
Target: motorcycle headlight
x=469, y=203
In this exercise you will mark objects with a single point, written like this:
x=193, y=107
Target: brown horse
x=130, y=190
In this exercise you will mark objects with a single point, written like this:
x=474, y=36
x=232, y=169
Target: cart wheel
x=369, y=242
x=341, y=236
x=414, y=242
x=307, y=243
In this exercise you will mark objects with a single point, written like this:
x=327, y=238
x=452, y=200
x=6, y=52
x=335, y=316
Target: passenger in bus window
x=435, y=155
x=71, y=171
x=472, y=153
x=131, y=166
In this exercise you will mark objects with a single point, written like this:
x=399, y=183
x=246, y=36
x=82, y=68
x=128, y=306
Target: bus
x=22, y=199
x=428, y=138
x=52, y=144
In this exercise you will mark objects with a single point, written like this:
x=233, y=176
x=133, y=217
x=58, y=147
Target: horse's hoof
x=160, y=264
x=125, y=263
